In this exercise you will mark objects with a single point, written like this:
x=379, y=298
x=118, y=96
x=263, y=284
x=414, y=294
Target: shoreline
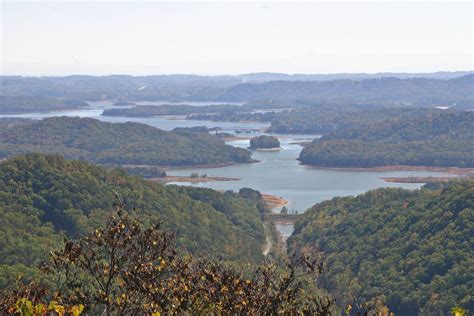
x=209, y=166
x=229, y=139
x=266, y=149
x=450, y=170
x=169, y=179
x=201, y=166
x=270, y=200
x=420, y=179
x=274, y=201
x=302, y=144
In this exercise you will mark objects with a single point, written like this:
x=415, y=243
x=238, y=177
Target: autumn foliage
x=127, y=268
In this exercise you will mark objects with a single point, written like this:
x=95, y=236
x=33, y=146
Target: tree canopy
x=116, y=143
x=432, y=138
x=43, y=198
x=127, y=268
x=410, y=249
x=21, y=104
x=264, y=142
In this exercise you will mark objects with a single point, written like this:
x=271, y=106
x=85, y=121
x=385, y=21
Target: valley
x=237, y=158
x=243, y=181
x=278, y=173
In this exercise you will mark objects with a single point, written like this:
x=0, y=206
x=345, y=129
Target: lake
x=278, y=173
x=97, y=107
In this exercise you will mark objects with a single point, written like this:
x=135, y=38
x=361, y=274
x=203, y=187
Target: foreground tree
x=127, y=268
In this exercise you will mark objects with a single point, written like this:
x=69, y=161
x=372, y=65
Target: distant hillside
x=20, y=104
x=171, y=109
x=387, y=88
x=270, y=76
x=411, y=250
x=122, y=144
x=384, y=91
x=427, y=138
x=46, y=197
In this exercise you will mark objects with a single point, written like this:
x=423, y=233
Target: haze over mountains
x=237, y=157
x=387, y=121
x=438, y=89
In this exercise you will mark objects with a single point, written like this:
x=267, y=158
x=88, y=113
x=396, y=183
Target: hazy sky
x=234, y=37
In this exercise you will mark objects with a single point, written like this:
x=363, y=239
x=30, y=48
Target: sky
x=210, y=38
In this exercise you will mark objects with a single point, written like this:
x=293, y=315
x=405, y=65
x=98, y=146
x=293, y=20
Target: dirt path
x=272, y=202
x=268, y=240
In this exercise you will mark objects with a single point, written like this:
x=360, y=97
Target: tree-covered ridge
x=377, y=89
x=308, y=118
x=324, y=119
x=114, y=143
x=21, y=104
x=434, y=138
x=410, y=249
x=315, y=118
x=171, y=109
x=381, y=91
x=43, y=197
x=264, y=142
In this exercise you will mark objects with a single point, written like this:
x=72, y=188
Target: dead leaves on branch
x=125, y=268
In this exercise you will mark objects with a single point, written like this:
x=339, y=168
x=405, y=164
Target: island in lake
x=265, y=142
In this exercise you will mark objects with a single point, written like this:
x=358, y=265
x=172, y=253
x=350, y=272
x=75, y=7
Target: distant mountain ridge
x=436, y=89
x=265, y=76
x=270, y=76
x=390, y=90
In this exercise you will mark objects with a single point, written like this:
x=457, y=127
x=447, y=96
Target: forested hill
x=410, y=249
x=383, y=91
x=432, y=138
x=379, y=89
x=19, y=104
x=45, y=197
x=116, y=143
x=171, y=109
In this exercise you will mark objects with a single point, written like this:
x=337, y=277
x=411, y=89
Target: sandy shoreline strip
x=419, y=179
x=169, y=179
x=266, y=149
x=274, y=201
x=452, y=170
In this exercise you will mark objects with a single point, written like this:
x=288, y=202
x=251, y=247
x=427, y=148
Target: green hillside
x=21, y=104
x=44, y=198
x=109, y=143
x=412, y=250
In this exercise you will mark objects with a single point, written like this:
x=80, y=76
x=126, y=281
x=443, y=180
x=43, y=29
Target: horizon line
x=242, y=74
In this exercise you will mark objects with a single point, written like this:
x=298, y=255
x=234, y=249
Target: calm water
x=96, y=109
x=278, y=173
